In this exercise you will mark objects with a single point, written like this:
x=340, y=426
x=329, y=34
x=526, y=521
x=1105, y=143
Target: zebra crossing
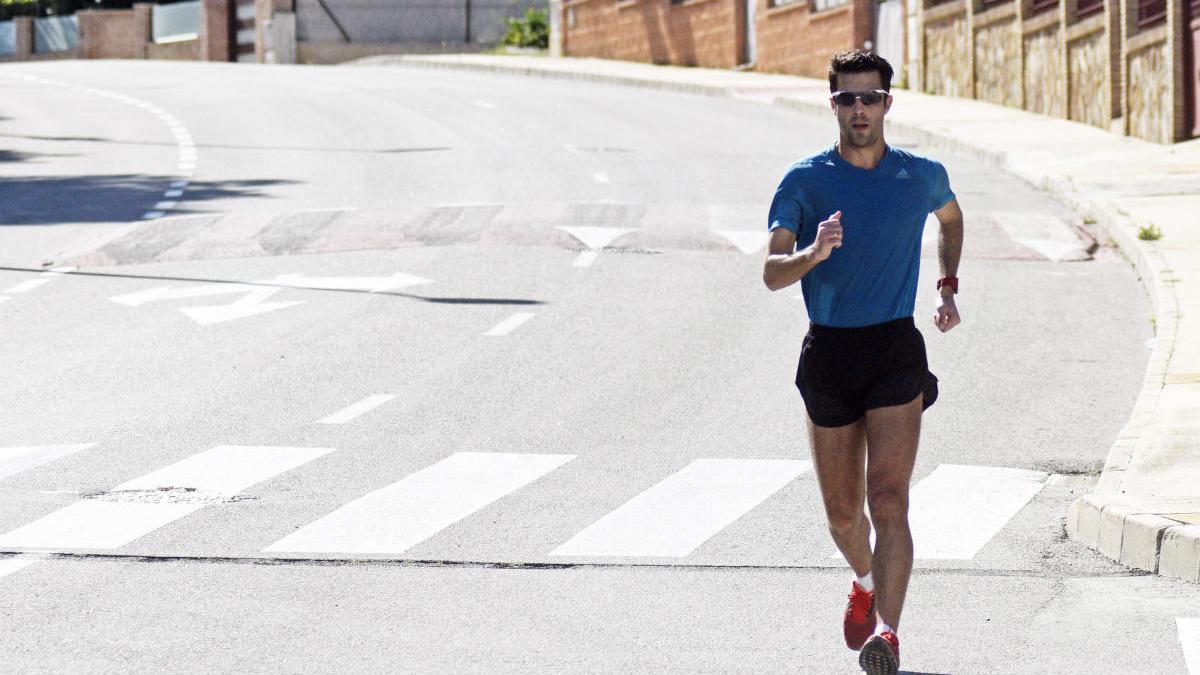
x=955, y=510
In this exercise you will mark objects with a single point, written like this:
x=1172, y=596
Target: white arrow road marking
x=17, y=563
x=746, y=241
x=594, y=238
x=171, y=293
x=510, y=324
x=16, y=460
x=114, y=519
x=396, y=518
x=674, y=517
x=364, y=406
x=247, y=305
x=257, y=292
x=1189, y=638
x=41, y=280
x=373, y=284
x=956, y=510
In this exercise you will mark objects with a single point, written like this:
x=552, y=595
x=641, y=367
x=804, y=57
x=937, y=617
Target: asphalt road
x=541, y=379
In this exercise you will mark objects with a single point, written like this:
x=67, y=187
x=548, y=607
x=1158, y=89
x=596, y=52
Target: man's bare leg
x=892, y=436
x=839, y=456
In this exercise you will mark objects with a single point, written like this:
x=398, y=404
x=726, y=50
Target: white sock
x=867, y=583
x=881, y=628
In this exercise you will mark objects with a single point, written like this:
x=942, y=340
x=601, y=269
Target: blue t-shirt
x=872, y=278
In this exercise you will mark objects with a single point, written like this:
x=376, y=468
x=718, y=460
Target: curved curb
x=1103, y=519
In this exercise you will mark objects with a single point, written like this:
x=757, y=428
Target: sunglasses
x=846, y=98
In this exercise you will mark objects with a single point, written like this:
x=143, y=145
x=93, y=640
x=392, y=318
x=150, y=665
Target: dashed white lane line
x=600, y=177
x=395, y=518
x=510, y=324
x=186, y=146
x=1189, y=639
x=364, y=406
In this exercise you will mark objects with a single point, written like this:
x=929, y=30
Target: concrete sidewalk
x=1145, y=511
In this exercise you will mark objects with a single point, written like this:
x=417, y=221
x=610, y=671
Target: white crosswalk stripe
x=396, y=518
x=955, y=510
x=140, y=506
x=16, y=460
x=679, y=514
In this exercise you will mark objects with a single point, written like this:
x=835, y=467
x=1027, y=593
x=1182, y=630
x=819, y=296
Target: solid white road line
x=115, y=519
x=16, y=563
x=677, y=515
x=510, y=324
x=1189, y=638
x=16, y=460
x=366, y=405
x=396, y=518
x=957, y=509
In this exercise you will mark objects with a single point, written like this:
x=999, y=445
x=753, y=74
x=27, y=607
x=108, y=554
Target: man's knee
x=845, y=518
x=888, y=506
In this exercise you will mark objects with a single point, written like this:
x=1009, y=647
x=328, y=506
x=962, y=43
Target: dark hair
x=859, y=61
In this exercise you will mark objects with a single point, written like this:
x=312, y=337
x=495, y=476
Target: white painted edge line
x=600, y=177
x=510, y=324
x=350, y=412
x=1189, y=639
x=16, y=563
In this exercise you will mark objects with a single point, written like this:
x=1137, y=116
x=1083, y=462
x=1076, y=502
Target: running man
x=846, y=223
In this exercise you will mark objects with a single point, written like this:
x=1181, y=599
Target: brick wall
x=794, y=39
x=109, y=34
x=692, y=33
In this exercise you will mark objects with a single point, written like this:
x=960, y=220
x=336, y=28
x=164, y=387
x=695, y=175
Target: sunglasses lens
x=847, y=98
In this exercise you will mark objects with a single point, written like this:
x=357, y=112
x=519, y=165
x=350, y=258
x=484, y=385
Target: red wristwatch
x=952, y=282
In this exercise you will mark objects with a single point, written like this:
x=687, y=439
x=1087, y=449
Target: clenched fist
x=829, y=236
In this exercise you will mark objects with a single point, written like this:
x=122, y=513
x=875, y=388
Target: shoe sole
x=876, y=658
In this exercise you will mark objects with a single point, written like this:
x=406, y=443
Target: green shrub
x=531, y=31
x=1149, y=232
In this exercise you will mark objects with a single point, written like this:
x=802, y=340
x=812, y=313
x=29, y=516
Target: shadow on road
x=41, y=200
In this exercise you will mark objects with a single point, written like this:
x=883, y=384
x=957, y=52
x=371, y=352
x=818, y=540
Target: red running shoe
x=859, y=622
x=880, y=655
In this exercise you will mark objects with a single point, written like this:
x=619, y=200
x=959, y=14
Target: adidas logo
x=903, y=173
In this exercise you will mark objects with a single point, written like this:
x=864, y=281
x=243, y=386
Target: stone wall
x=997, y=59
x=947, y=66
x=1087, y=69
x=1045, y=81
x=1149, y=94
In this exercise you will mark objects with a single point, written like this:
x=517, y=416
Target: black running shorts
x=845, y=372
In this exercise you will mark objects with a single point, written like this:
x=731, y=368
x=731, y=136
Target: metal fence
x=448, y=21
x=176, y=22
x=8, y=38
x=55, y=34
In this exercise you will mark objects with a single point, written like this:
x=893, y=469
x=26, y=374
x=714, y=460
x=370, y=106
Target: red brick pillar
x=143, y=28
x=24, y=28
x=216, y=30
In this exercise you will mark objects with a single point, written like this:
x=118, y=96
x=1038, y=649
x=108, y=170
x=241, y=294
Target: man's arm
x=785, y=265
x=950, y=240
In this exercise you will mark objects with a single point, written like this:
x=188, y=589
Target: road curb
x=1102, y=520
